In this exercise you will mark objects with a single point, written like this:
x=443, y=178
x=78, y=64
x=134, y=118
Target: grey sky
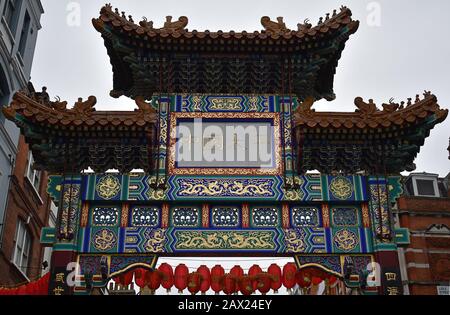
x=408, y=53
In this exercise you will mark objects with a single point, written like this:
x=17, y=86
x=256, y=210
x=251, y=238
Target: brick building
x=28, y=211
x=425, y=210
x=24, y=206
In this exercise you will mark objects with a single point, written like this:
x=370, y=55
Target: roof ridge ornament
x=86, y=107
x=148, y=25
x=177, y=26
x=271, y=27
x=144, y=107
x=305, y=108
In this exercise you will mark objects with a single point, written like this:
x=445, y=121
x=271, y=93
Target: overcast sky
x=404, y=55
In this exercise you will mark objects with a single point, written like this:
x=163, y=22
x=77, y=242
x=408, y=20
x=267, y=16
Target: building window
x=11, y=14
x=33, y=175
x=425, y=186
x=24, y=34
x=443, y=290
x=22, y=244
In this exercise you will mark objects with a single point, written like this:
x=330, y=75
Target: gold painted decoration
x=225, y=240
x=341, y=188
x=276, y=170
x=104, y=240
x=226, y=187
x=155, y=244
x=345, y=240
x=108, y=187
x=225, y=104
x=294, y=244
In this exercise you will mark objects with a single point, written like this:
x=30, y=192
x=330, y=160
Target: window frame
x=12, y=21
x=33, y=175
x=24, y=34
x=22, y=252
x=429, y=178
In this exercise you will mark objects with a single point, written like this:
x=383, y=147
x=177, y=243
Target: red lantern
x=264, y=283
x=153, y=280
x=139, y=277
x=217, y=274
x=289, y=278
x=205, y=278
x=303, y=278
x=332, y=280
x=253, y=272
x=229, y=284
x=275, y=272
x=181, y=277
x=167, y=279
x=124, y=279
x=316, y=280
x=246, y=285
x=237, y=272
x=194, y=281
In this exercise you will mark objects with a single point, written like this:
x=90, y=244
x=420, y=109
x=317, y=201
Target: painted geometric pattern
x=303, y=216
x=231, y=188
x=173, y=240
x=349, y=240
x=312, y=187
x=105, y=216
x=305, y=240
x=344, y=188
x=344, y=216
x=225, y=217
x=265, y=217
x=332, y=263
x=360, y=263
x=120, y=263
x=144, y=240
x=145, y=216
x=90, y=265
x=186, y=216
x=225, y=103
x=71, y=193
x=225, y=240
x=379, y=207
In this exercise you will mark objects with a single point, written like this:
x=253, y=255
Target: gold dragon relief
x=225, y=240
x=226, y=104
x=155, y=244
x=108, y=187
x=241, y=188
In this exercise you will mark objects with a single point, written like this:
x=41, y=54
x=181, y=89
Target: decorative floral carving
x=225, y=216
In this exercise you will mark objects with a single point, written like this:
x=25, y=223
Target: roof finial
x=176, y=26
x=272, y=27
x=320, y=21
x=146, y=23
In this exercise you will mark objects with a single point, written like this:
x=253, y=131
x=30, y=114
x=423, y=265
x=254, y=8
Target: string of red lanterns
x=236, y=281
